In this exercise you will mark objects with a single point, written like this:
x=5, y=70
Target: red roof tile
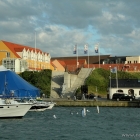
x=74, y=61
x=62, y=63
x=18, y=48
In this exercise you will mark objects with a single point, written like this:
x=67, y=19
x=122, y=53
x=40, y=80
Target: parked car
x=122, y=96
x=79, y=97
x=90, y=96
x=137, y=98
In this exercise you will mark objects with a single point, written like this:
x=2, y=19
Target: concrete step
x=83, y=74
x=56, y=83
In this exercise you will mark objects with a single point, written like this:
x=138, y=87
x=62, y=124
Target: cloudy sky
x=60, y=24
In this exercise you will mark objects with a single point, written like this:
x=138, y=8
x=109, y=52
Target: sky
x=56, y=26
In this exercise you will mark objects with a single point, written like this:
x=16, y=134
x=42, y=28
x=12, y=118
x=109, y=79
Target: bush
x=41, y=80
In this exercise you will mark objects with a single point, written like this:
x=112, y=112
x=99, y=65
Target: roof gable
x=129, y=83
x=19, y=48
x=62, y=63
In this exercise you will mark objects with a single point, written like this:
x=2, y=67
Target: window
x=8, y=54
x=119, y=90
x=126, y=66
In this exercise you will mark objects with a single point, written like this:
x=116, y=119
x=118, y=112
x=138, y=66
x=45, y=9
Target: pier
x=92, y=103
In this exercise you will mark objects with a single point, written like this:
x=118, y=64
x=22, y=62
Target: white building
x=132, y=59
x=15, y=64
x=128, y=86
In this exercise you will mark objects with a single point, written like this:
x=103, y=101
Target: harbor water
x=67, y=123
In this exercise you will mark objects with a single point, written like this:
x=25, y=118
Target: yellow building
x=20, y=58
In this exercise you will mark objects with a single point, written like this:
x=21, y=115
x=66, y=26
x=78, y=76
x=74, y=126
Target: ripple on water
x=109, y=124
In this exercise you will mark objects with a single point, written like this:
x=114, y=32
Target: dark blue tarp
x=13, y=84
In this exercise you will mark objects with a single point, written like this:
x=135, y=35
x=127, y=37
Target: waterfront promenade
x=92, y=103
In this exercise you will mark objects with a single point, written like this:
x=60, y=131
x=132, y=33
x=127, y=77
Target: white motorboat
x=41, y=105
x=51, y=105
x=9, y=108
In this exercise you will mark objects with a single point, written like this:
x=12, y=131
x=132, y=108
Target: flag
x=114, y=70
x=86, y=49
x=75, y=49
x=96, y=48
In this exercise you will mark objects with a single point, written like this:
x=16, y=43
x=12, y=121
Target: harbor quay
x=93, y=103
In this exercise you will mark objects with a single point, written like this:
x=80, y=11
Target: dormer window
x=8, y=54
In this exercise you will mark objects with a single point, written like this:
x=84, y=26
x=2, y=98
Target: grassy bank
x=98, y=81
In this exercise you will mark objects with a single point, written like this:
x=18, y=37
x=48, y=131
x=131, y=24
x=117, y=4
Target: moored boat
x=9, y=108
x=41, y=105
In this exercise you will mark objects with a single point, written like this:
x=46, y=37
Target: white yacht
x=9, y=108
x=41, y=105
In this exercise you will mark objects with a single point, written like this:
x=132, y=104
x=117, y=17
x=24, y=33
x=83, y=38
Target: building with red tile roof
x=69, y=65
x=20, y=58
x=58, y=66
x=123, y=63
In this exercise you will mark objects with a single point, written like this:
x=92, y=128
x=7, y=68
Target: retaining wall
x=90, y=103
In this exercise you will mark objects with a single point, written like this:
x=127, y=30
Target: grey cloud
x=60, y=24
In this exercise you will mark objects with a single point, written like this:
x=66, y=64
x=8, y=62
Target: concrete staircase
x=56, y=84
x=83, y=74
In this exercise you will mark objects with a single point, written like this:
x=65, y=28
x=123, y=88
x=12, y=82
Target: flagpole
x=97, y=50
x=77, y=56
x=88, y=57
x=35, y=51
x=114, y=70
x=110, y=80
x=99, y=55
x=86, y=52
x=117, y=79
